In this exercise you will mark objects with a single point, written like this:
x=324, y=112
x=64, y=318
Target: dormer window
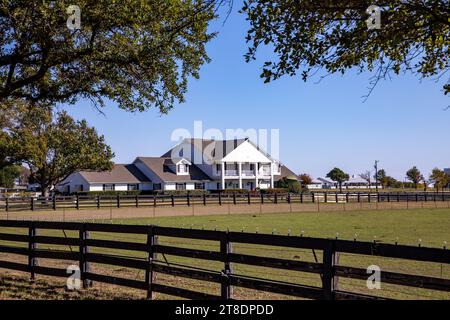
x=182, y=169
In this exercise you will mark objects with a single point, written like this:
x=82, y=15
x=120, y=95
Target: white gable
x=246, y=152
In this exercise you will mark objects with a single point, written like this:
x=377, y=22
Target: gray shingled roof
x=285, y=172
x=217, y=148
x=157, y=165
x=120, y=173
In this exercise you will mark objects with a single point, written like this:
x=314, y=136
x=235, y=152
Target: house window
x=181, y=186
x=199, y=186
x=252, y=166
x=218, y=168
x=183, y=168
x=78, y=187
x=157, y=186
x=133, y=187
x=108, y=187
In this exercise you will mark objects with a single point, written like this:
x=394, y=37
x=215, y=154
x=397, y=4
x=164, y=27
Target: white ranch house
x=194, y=164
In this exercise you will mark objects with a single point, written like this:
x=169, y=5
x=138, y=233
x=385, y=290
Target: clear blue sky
x=322, y=125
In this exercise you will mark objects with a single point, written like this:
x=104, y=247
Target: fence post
x=389, y=197
x=204, y=199
x=359, y=197
x=276, y=198
x=313, y=197
x=84, y=249
x=329, y=260
x=98, y=202
x=137, y=201
x=248, y=198
x=426, y=197
x=220, y=198
x=32, y=246
x=7, y=204
x=78, y=202
x=32, y=204
x=289, y=198
x=347, y=198
x=234, y=198
x=398, y=196
x=118, y=201
x=54, y=202
x=325, y=197
x=188, y=198
x=226, y=249
x=173, y=200
x=262, y=198
x=150, y=275
x=337, y=198
x=417, y=197
x=378, y=197
x=369, y=197
x=301, y=198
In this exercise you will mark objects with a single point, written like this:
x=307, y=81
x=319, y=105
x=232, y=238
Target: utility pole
x=376, y=174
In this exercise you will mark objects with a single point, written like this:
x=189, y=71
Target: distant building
x=355, y=182
x=327, y=184
x=315, y=184
x=447, y=170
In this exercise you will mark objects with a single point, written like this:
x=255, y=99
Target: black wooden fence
x=142, y=201
x=328, y=268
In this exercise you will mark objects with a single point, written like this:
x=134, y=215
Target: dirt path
x=200, y=210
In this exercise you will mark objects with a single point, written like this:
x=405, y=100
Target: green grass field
x=431, y=226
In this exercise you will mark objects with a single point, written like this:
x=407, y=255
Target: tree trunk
x=45, y=191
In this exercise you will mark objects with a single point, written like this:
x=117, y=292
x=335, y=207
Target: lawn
x=430, y=227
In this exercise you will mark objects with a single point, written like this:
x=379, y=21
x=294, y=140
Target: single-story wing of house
x=122, y=177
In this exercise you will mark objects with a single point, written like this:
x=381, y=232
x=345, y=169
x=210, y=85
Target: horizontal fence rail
x=328, y=268
x=143, y=201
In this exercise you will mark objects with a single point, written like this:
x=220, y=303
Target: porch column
x=240, y=174
x=271, y=176
x=223, y=175
x=256, y=175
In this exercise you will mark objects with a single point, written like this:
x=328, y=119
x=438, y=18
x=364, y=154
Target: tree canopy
x=305, y=179
x=136, y=53
x=8, y=175
x=54, y=145
x=439, y=178
x=293, y=186
x=414, y=175
x=307, y=36
x=338, y=176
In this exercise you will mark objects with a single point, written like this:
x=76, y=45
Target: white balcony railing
x=248, y=173
x=264, y=172
x=231, y=173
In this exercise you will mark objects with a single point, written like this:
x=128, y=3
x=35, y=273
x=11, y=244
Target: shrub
x=240, y=191
x=274, y=190
x=185, y=192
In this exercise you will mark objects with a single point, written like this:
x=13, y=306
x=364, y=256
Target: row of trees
x=437, y=177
